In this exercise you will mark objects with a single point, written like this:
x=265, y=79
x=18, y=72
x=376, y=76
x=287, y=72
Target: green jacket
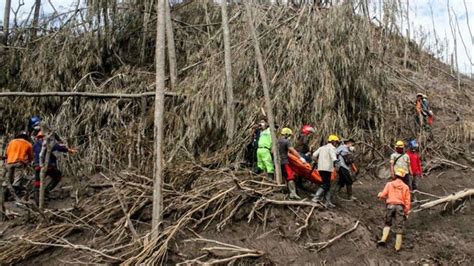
x=265, y=140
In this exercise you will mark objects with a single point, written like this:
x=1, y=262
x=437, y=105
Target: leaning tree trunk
x=45, y=155
x=158, y=121
x=228, y=73
x=146, y=17
x=171, y=47
x=266, y=92
x=6, y=20
x=405, y=56
x=36, y=18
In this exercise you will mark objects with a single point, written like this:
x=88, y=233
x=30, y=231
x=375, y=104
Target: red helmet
x=307, y=129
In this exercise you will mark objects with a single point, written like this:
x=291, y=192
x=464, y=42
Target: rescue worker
x=18, y=155
x=415, y=165
x=397, y=199
x=399, y=159
x=52, y=167
x=302, y=142
x=285, y=147
x=264, y=152
x=345, y=161
x=34, y=126
x=326, y=158
x=424, y=114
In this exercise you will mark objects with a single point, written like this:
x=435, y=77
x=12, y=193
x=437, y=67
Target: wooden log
x=451, y=198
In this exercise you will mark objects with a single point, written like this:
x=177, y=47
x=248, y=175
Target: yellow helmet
x=286, y=131
x=333, y=138
x=400, y=172
x=400, y=144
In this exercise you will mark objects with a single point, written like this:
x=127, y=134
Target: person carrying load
x=327, y=159
x=285, y=147
x=302, y=142
x=345, y=166
x=397, y=199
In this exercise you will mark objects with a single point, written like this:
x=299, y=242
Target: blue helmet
x=34, y=121
x=412, y=144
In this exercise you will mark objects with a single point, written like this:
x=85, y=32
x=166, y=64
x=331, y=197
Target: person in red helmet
x=302, y=142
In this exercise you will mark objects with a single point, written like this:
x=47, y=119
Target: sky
x=431, y=16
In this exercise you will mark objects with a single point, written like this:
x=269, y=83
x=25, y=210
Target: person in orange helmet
x=397, y=199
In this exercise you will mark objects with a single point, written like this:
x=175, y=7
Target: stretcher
x=305, y=170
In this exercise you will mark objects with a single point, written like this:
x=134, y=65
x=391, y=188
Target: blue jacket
x=53, y=161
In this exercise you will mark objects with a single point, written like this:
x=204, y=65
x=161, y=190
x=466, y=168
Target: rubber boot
x=318, y=195
x=385, y=232
x=349, y=193
x=292, y=188
x=398, y=242
x=327, y=197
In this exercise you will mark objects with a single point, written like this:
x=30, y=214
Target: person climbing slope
x=284, y=147
x=397, y=199
x=326, y=158
x=415, y=165
x=399, y=159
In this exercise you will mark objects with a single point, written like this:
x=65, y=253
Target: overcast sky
x=419, y=12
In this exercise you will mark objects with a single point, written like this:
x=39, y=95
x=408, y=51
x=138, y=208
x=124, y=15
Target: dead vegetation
x=330, y=68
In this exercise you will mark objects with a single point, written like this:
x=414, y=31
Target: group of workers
x=338, y=156
x=27, y=149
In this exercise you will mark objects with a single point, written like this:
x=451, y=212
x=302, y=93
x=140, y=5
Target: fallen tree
x=451, y=198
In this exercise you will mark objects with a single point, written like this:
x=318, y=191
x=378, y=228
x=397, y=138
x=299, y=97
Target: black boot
x=349, y=193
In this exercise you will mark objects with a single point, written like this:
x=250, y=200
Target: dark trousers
x=345, y=178
x=326, y=177
x=52, y=172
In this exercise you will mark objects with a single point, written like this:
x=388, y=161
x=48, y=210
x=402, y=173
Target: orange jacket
x=419, y=108
x=19, y=150
x=397, y=193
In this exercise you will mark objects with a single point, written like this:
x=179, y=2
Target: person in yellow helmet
x=396, y=195
x=285, y=147
x=400, y=160
x=326, y=158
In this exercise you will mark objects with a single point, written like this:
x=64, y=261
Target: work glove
x=302, y=160
x=72, y=151
x=406, y=216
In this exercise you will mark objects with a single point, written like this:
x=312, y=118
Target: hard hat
x=400, y=172
x=307, y=129
x=286, y=131
x=412, y=144
x=34, y=121
x=40, y=134
x=333, y=138
x=419, y=94
x=400, y=144
x=425, y=96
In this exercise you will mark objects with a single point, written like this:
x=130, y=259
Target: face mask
x=351, y=148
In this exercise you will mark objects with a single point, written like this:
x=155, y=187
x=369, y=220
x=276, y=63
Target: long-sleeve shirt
x=415, y=163
x=53, y=161
x=326, y=156
x=397, y=193
x=19, y=150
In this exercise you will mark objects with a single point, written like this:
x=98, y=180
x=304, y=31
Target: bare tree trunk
x=158, y=121
x=6, y=20
x=171, y=47
x=453, y=32
x=146, y=18
x=45, y=154
x=266, y=92
x=405, y=56
x=228, y=72
x=36, y=18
